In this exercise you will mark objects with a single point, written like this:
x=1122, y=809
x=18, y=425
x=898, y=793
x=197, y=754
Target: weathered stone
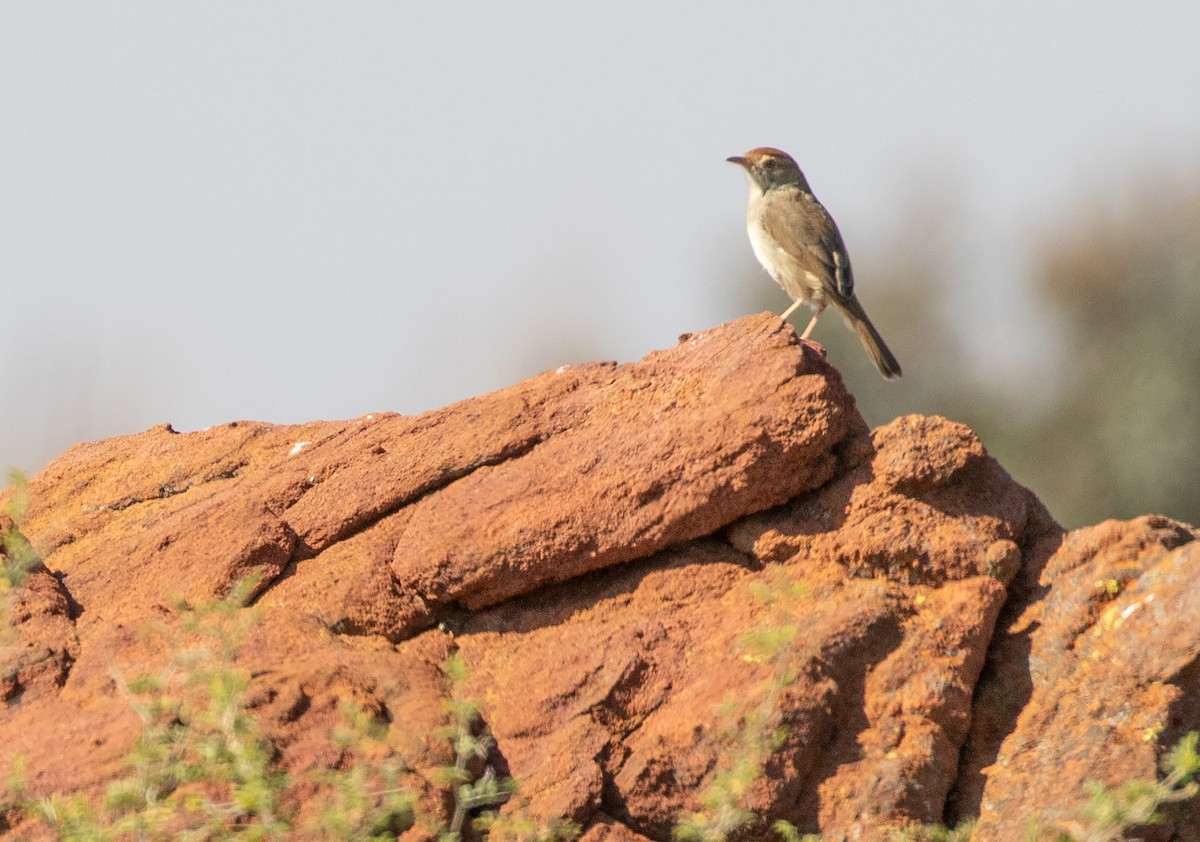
x=1093, y=676
x=603, y=544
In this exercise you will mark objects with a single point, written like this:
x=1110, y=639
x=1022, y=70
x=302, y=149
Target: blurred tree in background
x=1105, y=422
x=1123, y=275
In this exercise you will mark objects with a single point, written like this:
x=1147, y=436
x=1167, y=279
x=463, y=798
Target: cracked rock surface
x=598, y=541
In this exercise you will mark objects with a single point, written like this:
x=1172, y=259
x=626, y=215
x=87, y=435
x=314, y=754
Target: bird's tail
x=884, y=359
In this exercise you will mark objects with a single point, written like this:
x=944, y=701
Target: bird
x=798, y=243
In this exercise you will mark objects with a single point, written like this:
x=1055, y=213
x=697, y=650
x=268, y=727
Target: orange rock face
x=1095, y=670
x=603, y=544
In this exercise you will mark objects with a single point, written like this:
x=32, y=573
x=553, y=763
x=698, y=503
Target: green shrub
x=200, y=768
x=365, y=801
x=753, y=740
x=19, y=555
x=1111, y=811
x=472, y=745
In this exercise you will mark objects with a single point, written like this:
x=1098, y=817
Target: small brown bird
x=798, y=243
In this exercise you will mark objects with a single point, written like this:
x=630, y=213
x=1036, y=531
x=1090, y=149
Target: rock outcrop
x=597, y=542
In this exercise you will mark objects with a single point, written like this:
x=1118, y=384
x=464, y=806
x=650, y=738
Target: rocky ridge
x=596, y=542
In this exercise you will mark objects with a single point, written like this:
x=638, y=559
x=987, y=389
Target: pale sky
x=288, y=211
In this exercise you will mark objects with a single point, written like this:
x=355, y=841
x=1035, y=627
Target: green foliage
x=758, y=735
x=19, y=555
x=15, y=793
x=518, y=827
x=933, y=833
x=472, y=744
x=364, y=801
x=1110, y=812
x=788, y=833
x=908, y=833
x=200, y=769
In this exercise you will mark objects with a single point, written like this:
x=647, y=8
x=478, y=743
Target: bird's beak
x=737, y=159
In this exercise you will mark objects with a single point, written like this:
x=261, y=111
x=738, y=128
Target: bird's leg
x=791, y=309
x=813, y=323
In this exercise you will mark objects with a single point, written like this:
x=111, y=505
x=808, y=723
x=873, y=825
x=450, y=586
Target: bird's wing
x=843, y=276
x=805, y=230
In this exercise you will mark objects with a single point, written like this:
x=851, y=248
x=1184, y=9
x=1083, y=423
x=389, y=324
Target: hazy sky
x=286, y=211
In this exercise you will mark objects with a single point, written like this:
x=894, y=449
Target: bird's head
x=767, y=167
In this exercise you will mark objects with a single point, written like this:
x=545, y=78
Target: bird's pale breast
x=796, y=281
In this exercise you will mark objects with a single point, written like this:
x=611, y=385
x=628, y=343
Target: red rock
x=607, y=830
x=44, y=638
x=1106, y=680
x=597, y=542
x=647, y=455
